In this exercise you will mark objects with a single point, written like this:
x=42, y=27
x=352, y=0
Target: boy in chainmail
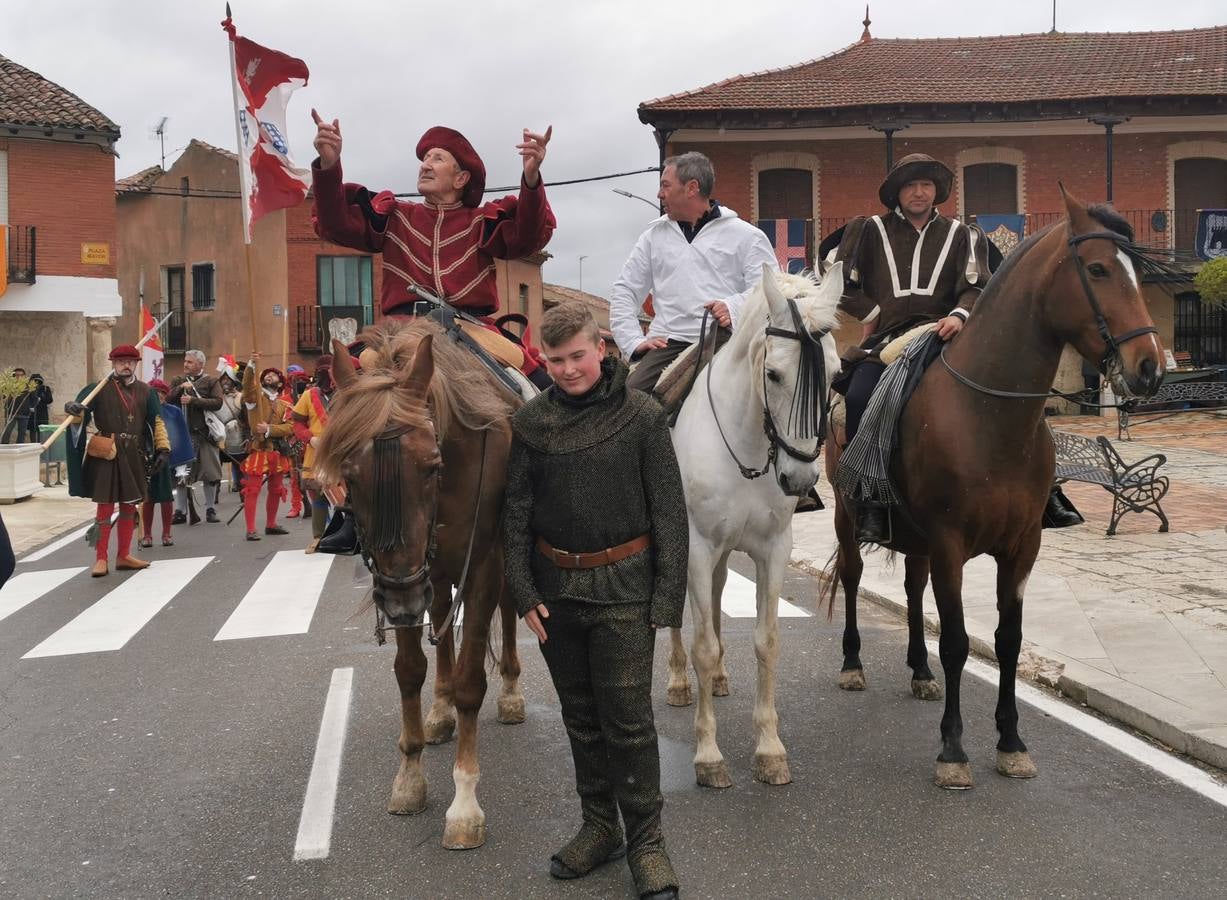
x=592, y=470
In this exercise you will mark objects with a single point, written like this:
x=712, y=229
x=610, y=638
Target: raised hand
x=532, y=149
x=327, y=140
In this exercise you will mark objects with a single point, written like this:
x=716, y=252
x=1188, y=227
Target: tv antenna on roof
x=159, y=131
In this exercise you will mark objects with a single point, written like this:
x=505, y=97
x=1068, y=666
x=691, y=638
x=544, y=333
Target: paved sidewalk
x=47, y=515
x=1134, y=625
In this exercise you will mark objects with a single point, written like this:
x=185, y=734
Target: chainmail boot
x=600, y=657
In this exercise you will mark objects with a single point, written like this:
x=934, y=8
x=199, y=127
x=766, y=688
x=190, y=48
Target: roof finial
x=865, y=35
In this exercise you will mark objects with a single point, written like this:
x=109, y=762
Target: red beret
x=275, y=371
x=458, y=146
x=324, y=362
x=125, y=351
x=159, y=385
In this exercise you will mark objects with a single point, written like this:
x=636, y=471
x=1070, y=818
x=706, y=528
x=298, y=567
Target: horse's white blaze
x=1127, y=265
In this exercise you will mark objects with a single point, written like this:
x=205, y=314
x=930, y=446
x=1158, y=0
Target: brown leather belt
x=566, y=560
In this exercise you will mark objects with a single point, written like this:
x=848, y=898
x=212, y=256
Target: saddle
x=889, y=353
x=679, y=377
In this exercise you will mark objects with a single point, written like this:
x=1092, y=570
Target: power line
x=207, y=194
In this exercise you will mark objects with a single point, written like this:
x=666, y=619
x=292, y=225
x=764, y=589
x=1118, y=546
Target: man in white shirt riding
x=698, y=256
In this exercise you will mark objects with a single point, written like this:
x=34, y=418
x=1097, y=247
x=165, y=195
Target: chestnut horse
x=420, y=437
x=974, y=460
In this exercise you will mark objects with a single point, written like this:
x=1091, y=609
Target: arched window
x=1199, y=182
x=990, y=188
x=786, y=194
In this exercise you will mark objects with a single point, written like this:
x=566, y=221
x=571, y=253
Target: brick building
x=182, y=227
x=1138, y=118
x=57, y=171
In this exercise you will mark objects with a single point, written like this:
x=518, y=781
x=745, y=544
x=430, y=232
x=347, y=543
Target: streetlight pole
x=636, y=197
x=581, y=272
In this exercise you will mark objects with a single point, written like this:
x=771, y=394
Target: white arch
x=763, y=162
x=977, y=155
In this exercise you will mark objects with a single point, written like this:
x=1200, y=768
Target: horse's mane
x=462, y=393
x=1109, y=218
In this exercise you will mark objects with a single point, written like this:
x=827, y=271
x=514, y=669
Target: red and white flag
x=263, y=81
x=151, y=353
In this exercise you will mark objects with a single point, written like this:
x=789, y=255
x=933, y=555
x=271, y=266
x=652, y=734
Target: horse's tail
x=829, y=582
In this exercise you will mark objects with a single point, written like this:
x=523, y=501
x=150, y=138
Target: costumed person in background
x=108, y=467
x=294, y=385
x=235, y=443
x=42, y=404
x=592, y=470
x=196, y=393
x=268, y=422
x=447, y=244
x=160, y=490
x=309, y=417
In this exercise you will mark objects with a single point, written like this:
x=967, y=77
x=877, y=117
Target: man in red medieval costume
x=447, y=243
x=267, y=458
x=108, y=466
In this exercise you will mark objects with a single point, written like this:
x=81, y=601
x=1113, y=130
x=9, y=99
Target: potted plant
x=18, y=462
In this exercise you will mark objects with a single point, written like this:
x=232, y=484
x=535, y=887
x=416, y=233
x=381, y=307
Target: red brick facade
x=67, y=192
x=302, y=248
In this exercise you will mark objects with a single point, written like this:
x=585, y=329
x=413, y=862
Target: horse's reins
x=422, y=573
x=1112, y=342
x=810, y=345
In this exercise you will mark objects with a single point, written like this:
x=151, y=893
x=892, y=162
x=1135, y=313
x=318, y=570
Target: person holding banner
x=448, y=242
x=108, y=467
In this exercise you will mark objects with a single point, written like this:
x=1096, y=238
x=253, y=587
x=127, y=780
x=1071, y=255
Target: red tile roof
x=29, y=99
x=1010, y=69
x=141, y=182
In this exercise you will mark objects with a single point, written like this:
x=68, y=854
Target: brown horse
x=974, y=460
x=420, y=437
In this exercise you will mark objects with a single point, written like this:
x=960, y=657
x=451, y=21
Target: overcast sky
x=389, y=69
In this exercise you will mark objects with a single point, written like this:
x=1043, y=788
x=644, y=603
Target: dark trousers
x=654, y=362
x=8, y=562
x=864, y=379
x=600, y=658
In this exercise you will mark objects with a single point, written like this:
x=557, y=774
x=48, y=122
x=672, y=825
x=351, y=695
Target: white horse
x=747, y=444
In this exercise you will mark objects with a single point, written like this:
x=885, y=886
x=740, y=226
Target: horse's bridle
x=1112, y=343
x=422, y=573
x=810, y=344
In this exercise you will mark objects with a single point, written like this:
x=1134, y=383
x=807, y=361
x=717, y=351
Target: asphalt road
x=176, y=764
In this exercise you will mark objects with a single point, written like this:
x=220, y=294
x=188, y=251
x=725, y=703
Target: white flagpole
x=244, y=177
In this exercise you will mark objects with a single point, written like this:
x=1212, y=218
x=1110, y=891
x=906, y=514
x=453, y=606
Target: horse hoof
x=464, y=835
x=439, y=730
x=953, y=776
x=926, y=689
x=852, y=680
x=511, y=709
x=720, y=686
x=407, y=799
x=713, y=775
x=680, y=696
x=1016, y=765
x=772, y=769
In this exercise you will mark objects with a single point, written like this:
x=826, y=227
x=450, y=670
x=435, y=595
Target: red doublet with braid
x=449, y=250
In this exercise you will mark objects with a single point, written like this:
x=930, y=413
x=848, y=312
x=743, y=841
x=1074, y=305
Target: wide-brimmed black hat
x=914, y=167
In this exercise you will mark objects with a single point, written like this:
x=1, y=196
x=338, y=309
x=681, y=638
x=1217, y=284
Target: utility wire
x=206, y=194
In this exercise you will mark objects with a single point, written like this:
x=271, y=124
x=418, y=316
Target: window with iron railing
x=174, y=333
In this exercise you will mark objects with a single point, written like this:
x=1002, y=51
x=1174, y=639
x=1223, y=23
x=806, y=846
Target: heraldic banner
x=793, y=242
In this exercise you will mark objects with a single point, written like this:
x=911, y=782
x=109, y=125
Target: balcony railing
x=21, y=254
x=311, y=324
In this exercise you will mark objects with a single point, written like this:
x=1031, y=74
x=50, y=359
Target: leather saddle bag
x=100, y=446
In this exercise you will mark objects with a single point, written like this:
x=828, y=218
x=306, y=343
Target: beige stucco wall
x=51, y=344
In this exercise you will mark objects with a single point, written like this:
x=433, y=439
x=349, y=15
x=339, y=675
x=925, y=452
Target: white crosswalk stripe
x=22, y=590
x=116, y=618
x=58, y=544
x=283, y=598
x=740, y=601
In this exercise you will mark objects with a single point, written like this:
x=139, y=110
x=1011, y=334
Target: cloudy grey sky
x=389, y=69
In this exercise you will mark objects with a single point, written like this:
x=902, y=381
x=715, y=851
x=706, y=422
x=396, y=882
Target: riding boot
x=1059, y=512
x=872, y=522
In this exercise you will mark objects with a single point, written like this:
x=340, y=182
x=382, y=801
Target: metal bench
x=1134, y=487
x=1171, y=400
